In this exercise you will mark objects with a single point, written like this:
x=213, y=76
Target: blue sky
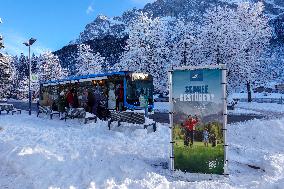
x=54, y=23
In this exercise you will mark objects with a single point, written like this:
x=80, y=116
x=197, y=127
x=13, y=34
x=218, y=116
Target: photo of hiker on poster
x=198, y=106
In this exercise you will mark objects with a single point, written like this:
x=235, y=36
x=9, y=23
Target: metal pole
x=184, y=55
x=225, y=117
x=30, y=93
x=88, y=67
x=172, y=154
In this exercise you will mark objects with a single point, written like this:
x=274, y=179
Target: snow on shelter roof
x=76, y=78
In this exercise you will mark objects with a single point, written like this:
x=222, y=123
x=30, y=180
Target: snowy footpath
x=38, y=153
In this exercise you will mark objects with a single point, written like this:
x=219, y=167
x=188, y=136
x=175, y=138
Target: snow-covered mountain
x=191, y=10
x=109, y=46
x=103, y=26
x=108, y=35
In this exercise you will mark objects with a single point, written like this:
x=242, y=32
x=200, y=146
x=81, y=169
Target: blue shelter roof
x=76, y=78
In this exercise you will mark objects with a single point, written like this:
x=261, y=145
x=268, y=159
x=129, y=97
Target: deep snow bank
x=42, y=153
x=257, y=143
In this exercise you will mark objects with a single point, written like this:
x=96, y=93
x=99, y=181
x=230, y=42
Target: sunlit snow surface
x=42, y=153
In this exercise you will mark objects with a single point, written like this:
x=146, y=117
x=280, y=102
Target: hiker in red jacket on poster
x=189, y=125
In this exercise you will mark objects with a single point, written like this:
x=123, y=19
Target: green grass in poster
x=199, y=158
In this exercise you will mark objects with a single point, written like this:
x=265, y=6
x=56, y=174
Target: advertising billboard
x=198, y=119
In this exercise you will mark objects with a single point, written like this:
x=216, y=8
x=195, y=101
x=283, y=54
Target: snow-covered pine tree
x=96, y=63
x=6, y=76
x=23, y=66
x=23, y=88
x=15, y=76
x=159, y=53
x=49, y=67
x=148, y=50
x=34, y=61
x=237, y=38
x=7, y=72
x=88, y=62
x=183, y=42
x=107, y=68
x=136, y=54
x=84, y=58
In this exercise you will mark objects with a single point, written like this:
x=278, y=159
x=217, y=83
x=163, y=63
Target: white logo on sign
x=195, y=76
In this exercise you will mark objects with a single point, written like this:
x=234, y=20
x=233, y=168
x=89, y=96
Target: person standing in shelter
x=61, y=105
x=97, y=98
x=119, y=97
x=190, y=124
x=75, y=99
x=45, y=99
x=84, y=100
x=90, y=101
x=143, y=100
x=70, y=98
x=102, y=111
x=111, y=97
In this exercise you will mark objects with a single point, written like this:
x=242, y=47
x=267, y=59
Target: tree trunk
x=249, y=91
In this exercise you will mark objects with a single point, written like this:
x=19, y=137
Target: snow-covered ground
x=240, y=108
x=162, y=107
x=261, y=107
x=257, y=95
x=42, y=153
x=241, y=111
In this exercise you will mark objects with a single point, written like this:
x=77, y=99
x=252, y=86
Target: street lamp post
x=29, y=44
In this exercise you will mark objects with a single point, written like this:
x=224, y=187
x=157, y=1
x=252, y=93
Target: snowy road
x=42, y=153
x=269, y=110
x=243, y=113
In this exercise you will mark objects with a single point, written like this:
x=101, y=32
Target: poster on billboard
x=198, y=119
x=34, y=78
x=34, y=82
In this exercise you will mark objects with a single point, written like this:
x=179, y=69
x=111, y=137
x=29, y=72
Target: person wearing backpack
x=61, y=105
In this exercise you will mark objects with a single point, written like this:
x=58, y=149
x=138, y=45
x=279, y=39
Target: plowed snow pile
x=41, y=153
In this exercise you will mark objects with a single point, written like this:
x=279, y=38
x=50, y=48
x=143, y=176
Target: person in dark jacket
x=90, y=101
x=97, y=95
x=75, y=100
x=119, y=97
x=102, y=110
x=70, y=98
